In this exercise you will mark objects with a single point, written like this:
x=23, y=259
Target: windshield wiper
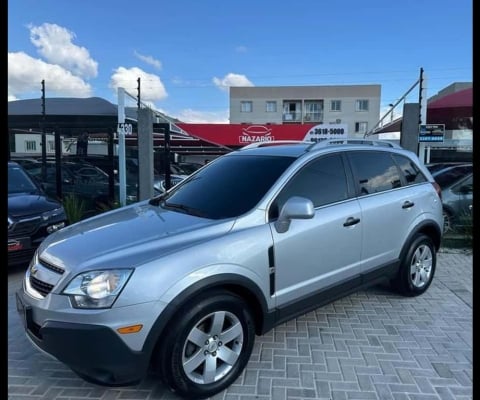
x=183, y=208
x=155, y=201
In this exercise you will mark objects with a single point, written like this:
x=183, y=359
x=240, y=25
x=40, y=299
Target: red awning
x=460, y=99
x=455, y=110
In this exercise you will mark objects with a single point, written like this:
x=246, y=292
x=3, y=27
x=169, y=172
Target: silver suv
x=182, y=283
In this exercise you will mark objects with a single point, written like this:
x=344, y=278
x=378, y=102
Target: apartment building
x=353, y=108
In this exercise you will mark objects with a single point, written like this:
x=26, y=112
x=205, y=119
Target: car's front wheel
x=207, y=345
x=417, y=266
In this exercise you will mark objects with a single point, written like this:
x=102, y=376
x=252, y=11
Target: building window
x=51, y=145
x=271, y=106
x=361, y=127
x=30, y=145
x=313, y=111
x=336, y=105
x=246, y=106
x=361, y=105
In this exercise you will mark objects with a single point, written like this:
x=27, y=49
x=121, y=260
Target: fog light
x=55, y=227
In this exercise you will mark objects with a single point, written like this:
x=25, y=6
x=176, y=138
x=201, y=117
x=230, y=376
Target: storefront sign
x=326, y=131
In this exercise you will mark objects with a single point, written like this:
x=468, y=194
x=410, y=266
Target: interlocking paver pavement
x=374, y=345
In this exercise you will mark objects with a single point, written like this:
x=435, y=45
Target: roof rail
x=371, y=142
x=272, y=143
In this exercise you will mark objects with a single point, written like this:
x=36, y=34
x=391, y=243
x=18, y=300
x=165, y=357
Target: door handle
x=351, y=221
x=408, y=204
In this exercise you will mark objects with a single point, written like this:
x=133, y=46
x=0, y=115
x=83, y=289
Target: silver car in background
x=181, y=284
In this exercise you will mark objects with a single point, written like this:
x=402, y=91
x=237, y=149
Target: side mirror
x=294, y=208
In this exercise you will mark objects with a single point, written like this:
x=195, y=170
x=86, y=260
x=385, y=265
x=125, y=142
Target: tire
x=417, y=267
x=447, y=221
x=194, y=360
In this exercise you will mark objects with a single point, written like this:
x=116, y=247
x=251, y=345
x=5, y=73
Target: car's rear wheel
x=207, y=346
x=447, y=221
x=417, y=267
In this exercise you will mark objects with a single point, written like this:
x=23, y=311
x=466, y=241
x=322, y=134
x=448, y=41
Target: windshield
x=20, y=182
x=228, y=187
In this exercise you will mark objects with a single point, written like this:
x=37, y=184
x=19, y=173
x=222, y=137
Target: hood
x=127, y=237
x=21, y=204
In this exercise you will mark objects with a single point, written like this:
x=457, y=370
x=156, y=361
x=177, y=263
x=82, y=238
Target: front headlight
x=53, y=213
x=97, y=289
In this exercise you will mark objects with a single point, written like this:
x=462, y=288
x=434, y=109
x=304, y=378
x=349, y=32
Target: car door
x=391, y=197
x=316, y=253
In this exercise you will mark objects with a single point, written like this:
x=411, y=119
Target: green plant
x=74, y=208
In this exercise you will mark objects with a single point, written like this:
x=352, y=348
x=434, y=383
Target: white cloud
x=151, y=87
x=231, y=80
x=55, y=44
x=149, y=60
x=202, y=117
x=26, y=73
x=241, y=49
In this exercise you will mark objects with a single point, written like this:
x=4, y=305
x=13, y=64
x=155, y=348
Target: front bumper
x=94, y=352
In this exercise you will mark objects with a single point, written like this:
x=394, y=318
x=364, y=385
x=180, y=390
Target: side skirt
x=329, y=294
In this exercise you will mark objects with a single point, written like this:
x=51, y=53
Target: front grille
x=41, y=287
x=26, y=226
x=52, y=267
x=20, y=256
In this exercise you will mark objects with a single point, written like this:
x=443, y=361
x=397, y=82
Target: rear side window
x=410, y=170
x=374, y=171
x=323, y=181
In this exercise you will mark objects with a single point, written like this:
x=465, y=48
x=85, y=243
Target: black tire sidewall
x=186, y=319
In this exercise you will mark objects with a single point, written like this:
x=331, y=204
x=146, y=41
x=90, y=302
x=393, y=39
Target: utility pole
x=44, y=138
x=138, y=93
x=422, y=116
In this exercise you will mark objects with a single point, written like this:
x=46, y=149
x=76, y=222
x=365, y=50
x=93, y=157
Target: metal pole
x=168, y=179
x=121, y=147
x=44, y=137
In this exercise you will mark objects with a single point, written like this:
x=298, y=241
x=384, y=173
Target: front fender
x=250, y=288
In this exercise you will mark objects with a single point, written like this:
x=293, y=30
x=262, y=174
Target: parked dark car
x=456, y=182
x=84, y=180
x=31, y=215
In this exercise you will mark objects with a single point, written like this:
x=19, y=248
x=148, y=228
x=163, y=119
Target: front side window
x=336, y=105
x=374, y=171
x=361, y=105
x=271, y=106
x=246, y=106
x=323, y=181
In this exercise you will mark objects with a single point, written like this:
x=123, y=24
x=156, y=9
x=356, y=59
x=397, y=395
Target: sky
x=187, y=53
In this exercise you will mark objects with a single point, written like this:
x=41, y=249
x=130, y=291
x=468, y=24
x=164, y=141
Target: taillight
x=437, y=189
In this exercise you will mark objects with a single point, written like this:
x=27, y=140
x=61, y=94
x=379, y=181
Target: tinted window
x=229, y=186
x=410, y=170
x=449, y=176
x=323, y=181
x=464, y=187
x=374, y=171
